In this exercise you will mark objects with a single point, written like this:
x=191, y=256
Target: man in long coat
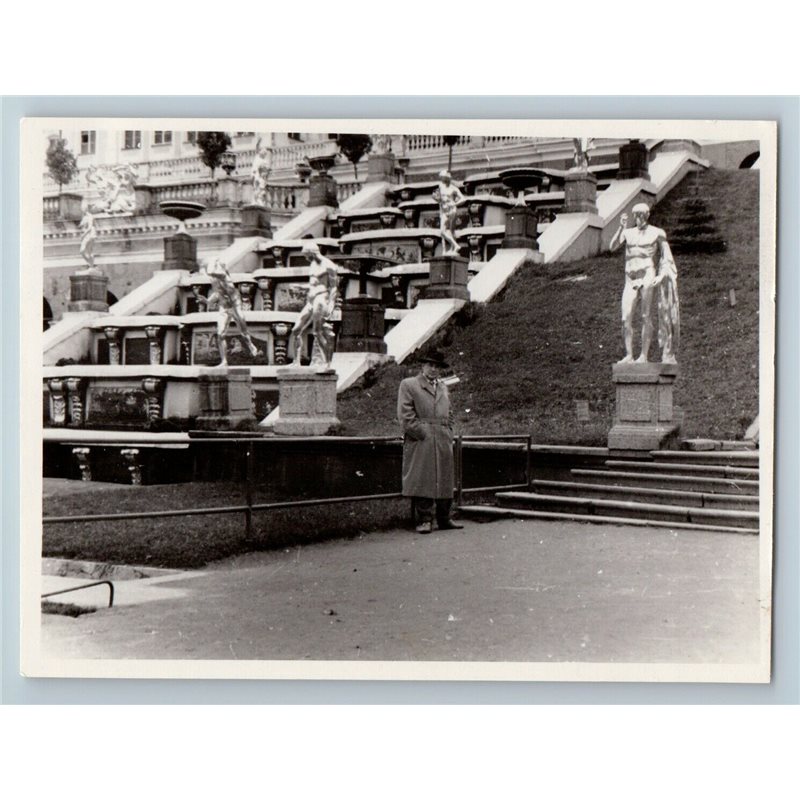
x=423, y=408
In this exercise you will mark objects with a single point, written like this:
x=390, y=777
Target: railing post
x=248, y=488
x=528, y=461
x=459, y=459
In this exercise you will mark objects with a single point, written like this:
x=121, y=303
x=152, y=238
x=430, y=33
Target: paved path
x=511, y=590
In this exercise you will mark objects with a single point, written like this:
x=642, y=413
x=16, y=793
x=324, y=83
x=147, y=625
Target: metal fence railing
x=248, y=508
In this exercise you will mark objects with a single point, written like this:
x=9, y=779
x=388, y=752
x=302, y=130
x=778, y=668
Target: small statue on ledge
x=648, y=264
x=319, y=307
x=225, y=297
x=448, y=196
x=260, y=171
x=581, y=158
x=116, y=186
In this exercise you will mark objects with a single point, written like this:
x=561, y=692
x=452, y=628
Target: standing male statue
x=225, y=297
x=320, y=305
x=648, y=264
x=448, y=196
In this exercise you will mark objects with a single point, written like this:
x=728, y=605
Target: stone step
x=495, y=512
x=687, y=482
x=624, y=508
x=654, y=494
x=719, y=457
x=703, y=470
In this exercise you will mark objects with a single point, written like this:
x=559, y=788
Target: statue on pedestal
x=319, y=307
x=581, y=158
x=225, y=297
x=88, y=235
x=648, y=265
x=448, y=196
x=260, y=171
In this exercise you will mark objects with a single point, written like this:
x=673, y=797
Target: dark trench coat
x=424, y=412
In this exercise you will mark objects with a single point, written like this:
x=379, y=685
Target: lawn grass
x=551, y=338
x=191, y=542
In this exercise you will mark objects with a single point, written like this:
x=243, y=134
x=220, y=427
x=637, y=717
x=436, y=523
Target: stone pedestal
x=144, y=199
x=633, y=160
x=307, y=400
x=580, y=193
x=227, y=192
x=322, y=191
x=521, y=228
x=255, y=221
x=363, y=326
x=380, y=167
x=225, y=398
x=180, y=252
x=88, y=291
x=69, y=206
x=448, y=278
x=645, y=418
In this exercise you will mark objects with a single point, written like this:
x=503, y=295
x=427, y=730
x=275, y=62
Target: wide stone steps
x=665, y=513
x=496, y=512
x=735, y=458
x=648, y=494
x=686, y=482
x=682, y=468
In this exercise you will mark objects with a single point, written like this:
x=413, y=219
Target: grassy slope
x=524, y=361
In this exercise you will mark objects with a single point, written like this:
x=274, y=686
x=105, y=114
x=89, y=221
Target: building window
x=295, y=137
x=245, y=133
x=133, y=140
x=191, y=137
x=162, y=137
x=88, y=142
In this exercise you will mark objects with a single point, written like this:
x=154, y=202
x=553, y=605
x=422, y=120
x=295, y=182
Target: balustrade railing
x=198, y=191
x=50, y=207
x=287, y=197
x=348, y=189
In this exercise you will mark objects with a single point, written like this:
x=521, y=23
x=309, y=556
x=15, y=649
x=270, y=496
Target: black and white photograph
x=398, y=399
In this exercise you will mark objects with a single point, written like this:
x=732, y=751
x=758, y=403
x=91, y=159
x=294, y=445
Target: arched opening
x=750, y=160
x=111, y=298
x=47, y=314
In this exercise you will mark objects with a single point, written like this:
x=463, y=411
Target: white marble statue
x=225, y=298
x=648, y=265
x=88, y=236
x=260, y=171
x=116, y=188
x=448, y=196
x=319, y=307
x=581, y=158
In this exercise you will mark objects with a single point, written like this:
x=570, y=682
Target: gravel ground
x=511, y=590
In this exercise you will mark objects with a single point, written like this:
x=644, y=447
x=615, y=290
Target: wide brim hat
x=435, y=357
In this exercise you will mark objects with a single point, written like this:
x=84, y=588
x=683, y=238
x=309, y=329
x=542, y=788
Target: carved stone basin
x=181, y=210
x=520, y=178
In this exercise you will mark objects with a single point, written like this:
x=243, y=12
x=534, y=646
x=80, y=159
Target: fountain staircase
x=714, y=490
x=411, y=232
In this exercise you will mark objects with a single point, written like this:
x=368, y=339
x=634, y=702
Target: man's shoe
x=451, y=526
x=424, y=527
